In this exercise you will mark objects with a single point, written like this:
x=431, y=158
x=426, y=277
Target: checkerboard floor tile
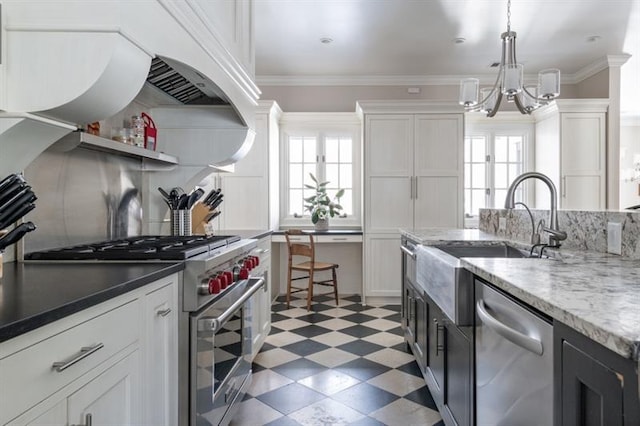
x=336, y=365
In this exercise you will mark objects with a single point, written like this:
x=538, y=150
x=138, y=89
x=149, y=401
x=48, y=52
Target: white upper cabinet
x=571, y=144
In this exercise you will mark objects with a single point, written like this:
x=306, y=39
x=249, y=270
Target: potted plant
x=320, y=205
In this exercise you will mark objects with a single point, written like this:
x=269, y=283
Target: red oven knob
x=223, y=280
x=214, y=286
x=229, y=276
x=244, y=274
x=248, y=263
x=256, y=260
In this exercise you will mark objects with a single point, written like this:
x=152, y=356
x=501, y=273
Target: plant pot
x=322, y=224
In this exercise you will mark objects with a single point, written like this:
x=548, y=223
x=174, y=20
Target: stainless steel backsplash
x=83, y=196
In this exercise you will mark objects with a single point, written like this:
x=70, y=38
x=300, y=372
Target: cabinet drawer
x=28, y=376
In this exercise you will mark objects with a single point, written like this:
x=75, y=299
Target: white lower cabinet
x=261, y=300
x=112, y=364
x=382, y=254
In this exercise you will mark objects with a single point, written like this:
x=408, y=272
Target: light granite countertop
x=597, y=294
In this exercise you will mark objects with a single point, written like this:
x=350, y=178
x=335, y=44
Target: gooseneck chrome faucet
x=555, y=234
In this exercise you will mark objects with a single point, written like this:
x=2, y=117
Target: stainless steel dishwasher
x=514, y=362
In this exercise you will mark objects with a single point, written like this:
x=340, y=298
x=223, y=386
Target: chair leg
x=288, y=288
x=335, y=284
x=310, y=291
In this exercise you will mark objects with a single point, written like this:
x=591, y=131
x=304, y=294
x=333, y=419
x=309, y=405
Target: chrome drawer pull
x=60, y=366
x=163, y=312
x=88, y=420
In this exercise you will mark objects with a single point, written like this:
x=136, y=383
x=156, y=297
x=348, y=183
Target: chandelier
x=509, y=83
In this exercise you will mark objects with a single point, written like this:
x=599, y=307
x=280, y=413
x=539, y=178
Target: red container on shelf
x=150, y=132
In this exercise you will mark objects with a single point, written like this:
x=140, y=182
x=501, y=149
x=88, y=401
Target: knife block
x=198, y=213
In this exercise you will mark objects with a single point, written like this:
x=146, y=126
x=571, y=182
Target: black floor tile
x=275, y=317
x=310, y=331
x=314, y=318
x=358, y=318
x=423, y=397
x=323, y=297
x=411, y=368
x=279, y=307
x=395, y=318
x=267, y=347
x=275, y=330
x=365, y=398
x=356, y=307
x=360, y=347
x=359, y=331
x=299, y=368
x=354, y=298
x=397, y=331
x=319, y=307
x=290, y=398
x=255, y=367
x=306, y=347
x=395, y=308
x=362, y=369
x=440, y=423
x=402, y=347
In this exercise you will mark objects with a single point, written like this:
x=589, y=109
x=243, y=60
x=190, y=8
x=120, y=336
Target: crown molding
x=314, y=118
x=426, y=80
x=408, y=106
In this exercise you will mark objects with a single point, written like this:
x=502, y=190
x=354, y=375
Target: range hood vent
x=183, y=83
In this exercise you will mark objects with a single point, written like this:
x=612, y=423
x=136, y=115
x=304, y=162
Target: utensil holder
x=181, y=222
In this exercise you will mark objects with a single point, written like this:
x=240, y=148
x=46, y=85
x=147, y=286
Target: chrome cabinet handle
x=564, y=187
x=60, y=366
x=415, y=186
x=214, y=324
x=88, y=419
x=514, y=336
x=408, y=252
x=163, y=312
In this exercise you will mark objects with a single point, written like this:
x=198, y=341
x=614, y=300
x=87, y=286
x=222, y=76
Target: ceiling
x=390, y=41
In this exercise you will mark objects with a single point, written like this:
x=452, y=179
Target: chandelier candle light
x=510, y=83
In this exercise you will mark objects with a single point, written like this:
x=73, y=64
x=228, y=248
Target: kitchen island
x=593, y=301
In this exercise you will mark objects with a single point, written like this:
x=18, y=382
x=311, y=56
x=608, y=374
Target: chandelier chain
x=509, y=16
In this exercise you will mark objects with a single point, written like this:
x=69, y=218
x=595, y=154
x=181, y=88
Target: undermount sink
x=441, y=275
x=500, y=250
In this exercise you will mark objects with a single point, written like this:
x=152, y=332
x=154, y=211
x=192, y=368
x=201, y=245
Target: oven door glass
x=221, y=364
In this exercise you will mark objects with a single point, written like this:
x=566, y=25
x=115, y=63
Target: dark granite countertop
x=36, y=294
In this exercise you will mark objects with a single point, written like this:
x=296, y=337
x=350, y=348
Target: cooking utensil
x=15, y=234
x=11, y=190
x=194, y=196
x=9, y=180
x=211, y=196
x=26, y=197
x=26, y=208
x=4, y=206
x=212, y=216
x=218, y=201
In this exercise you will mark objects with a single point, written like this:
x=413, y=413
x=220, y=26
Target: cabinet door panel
x=459, y=375
x=436, y=350
x=439, y=202
x=389, y=204
x=161, y=364
x=438, y=145
x=389, y=145
x=582, y=192
x=582, y=142
x=111, y=398
x=592, y=394
x=384, y=266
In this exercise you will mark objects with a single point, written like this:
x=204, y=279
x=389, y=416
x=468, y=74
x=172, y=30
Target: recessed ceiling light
x=593, y=38
x=326, y=40
x=459, y=40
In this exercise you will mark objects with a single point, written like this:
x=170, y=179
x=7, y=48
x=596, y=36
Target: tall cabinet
x=413, y=163
x=571, y=143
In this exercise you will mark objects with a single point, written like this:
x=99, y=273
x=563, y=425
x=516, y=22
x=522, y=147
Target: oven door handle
x=214, y=324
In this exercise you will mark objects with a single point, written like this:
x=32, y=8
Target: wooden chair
x=301, y=244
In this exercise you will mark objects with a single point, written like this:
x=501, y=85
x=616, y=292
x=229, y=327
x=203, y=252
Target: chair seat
x=317, y=266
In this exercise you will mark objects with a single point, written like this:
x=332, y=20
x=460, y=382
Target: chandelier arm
x=519, y=105
x=496, y=107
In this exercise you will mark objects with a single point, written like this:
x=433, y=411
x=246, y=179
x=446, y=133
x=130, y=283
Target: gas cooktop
x=138, y=248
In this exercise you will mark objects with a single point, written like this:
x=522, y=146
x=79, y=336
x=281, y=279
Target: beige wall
x=596, y=86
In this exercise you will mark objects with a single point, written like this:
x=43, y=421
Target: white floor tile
x=274, y=357
x=252, y=412
x=329, y=382
x=266, y=381
x=326, y=412
x=332, y=357
x=390, y=357
x=405, y=412
x=397, y=382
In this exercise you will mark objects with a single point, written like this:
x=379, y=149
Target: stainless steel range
x=215, y=324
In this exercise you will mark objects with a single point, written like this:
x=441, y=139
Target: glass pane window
x=475, y=178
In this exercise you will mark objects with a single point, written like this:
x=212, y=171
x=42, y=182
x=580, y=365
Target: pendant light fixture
x=509, y=83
